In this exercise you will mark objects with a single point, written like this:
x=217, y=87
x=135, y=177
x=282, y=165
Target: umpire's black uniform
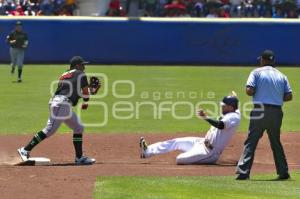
x=269, y=88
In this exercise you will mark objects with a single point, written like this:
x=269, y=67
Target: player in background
x=18, y=42
x=198, y=150
x=72, y=85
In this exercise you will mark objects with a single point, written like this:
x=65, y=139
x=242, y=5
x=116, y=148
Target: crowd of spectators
x=160, y=8
x=206, y=8
x=37, y=7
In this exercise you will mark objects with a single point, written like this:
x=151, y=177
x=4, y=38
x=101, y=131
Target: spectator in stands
x=70, y=6
x=37, y=7
x=46, y=8
x=114, y=8
x=150, y=7
x=289, y=9
x=175, y=9
x=213, y=13
x=264, y=8
x=249, y=8
x=133, y=8
x=160, y=8
x=189, y=4
x=298, y=7
x=199, y=7
x=160, y=11
x=277, y=13
x=57, y=6
x=17, y=12
x=236, y=8
x=224, y=12
x=2, y=8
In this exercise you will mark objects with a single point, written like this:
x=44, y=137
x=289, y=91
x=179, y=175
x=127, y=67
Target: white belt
x=58, y=99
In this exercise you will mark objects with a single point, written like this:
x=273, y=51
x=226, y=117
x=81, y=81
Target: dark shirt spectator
x=114, y=8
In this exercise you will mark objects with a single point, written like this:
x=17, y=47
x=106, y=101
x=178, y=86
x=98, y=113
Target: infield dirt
x=116, y=155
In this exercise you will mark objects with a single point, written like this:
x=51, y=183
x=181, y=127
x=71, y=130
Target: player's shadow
x=67, y=164
x=220, y=165
x=16, y=82
x=271, y=180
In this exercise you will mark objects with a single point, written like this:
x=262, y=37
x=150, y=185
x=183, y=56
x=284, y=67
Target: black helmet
x=77, y=60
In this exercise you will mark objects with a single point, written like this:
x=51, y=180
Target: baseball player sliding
x=197, y=150
x=72, y=86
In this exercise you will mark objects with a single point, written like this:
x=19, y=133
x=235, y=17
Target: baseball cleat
x=84, y=161
x=143, y=147
x=19, y=80
x=242, y=177
x=23, y=154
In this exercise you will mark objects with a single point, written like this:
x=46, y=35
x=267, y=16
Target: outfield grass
x=23, y=107
x=261, y=186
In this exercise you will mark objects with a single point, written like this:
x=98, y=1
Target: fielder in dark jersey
x=72, y=85
x=18, y=41
x=68, y=85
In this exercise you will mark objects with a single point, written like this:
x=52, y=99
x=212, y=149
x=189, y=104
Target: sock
x=35, y=140
x=19, y=73
x=12, y=68
x=77, y=141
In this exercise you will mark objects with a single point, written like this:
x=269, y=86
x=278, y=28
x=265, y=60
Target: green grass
x=196, y=187
x=23, y=107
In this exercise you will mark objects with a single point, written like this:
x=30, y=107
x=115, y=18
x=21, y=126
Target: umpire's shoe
x=242, y=177
x=84, y=161
x=143, y=147
x=23, y=154
x=284, y=177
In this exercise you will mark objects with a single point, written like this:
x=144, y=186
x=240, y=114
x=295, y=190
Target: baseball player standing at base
x=269, y=88
x=197, y=150
x=18, y=42
x=72, y=85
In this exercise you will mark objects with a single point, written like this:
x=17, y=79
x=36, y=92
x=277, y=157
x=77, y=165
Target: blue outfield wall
x=155, y=41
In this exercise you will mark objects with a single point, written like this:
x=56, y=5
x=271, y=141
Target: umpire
x=18, y=42
x=269, y=88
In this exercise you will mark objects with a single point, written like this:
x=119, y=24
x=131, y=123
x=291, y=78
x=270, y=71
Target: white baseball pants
x=61, y=111
x=195, y=151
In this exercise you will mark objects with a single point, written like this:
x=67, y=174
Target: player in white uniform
x=198, y=150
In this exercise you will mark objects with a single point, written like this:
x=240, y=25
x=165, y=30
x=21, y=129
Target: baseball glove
x=95, y=84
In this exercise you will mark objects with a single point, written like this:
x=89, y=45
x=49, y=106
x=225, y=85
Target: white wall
x=93, y=7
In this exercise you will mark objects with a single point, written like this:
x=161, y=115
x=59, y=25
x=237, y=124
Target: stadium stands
x=37, y=7
x=208, y=8
x=157, y=8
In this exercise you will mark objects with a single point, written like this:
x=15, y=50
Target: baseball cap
x=77, y=60
x=18, y=23
x=267, y=55
x=231, y=101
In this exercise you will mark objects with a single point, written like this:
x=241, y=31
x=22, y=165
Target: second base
x=35, y=161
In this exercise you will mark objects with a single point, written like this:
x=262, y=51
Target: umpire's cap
x=231, y=101
x=267, y=55
x=77, y=60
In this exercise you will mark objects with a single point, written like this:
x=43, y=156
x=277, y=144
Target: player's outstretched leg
x=24, y=152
